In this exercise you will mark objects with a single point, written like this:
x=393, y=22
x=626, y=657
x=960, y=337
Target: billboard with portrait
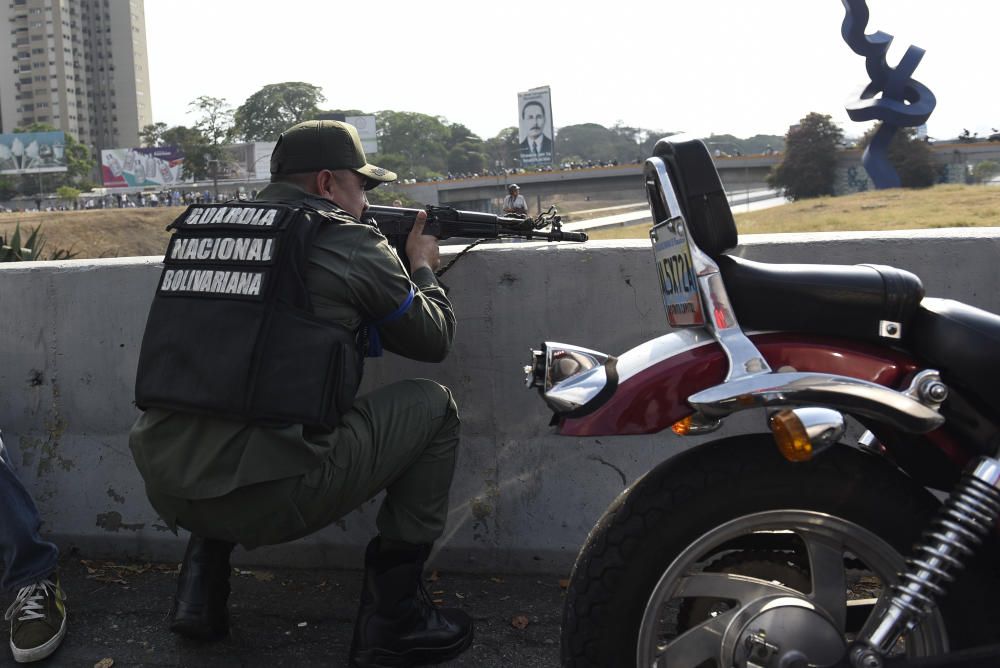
x=32, y=152
x=135, y=167
x=535, y=123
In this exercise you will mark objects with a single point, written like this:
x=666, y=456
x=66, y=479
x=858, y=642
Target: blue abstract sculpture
x=904, y=102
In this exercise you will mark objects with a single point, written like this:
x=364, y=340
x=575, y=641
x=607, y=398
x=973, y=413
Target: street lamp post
x=498, y=165
x=746, y=180
x=253, y=169
x=215, y=176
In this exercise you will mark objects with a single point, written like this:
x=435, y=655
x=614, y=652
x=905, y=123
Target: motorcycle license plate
x=678, y=281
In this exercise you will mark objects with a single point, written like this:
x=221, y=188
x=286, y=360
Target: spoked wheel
x=771, y=620
x=727, y=552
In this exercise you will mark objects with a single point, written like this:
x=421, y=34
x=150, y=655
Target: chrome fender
x=576, y=381
x=656, y=379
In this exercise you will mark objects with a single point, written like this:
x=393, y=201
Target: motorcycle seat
x=700, y=194
x=960, y=341
x=841, y=300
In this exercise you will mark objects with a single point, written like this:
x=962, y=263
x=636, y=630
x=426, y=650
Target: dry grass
x=98, y=233
x=941, y=206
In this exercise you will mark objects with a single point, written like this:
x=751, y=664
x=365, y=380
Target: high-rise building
x=78, y=65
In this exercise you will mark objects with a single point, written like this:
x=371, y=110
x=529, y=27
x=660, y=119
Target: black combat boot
x=200, y=610
x=398, y=625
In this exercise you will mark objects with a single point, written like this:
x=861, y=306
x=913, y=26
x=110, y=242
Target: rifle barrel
x=445, y=222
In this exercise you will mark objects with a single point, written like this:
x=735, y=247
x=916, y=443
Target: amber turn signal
x=682, y=427
x=791, y=437
x=695, y=425
x=802, y=433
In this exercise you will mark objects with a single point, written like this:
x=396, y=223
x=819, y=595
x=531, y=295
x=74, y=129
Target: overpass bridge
x=624, y=182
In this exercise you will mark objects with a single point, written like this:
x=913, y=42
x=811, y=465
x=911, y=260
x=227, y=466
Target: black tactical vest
x=231, y=331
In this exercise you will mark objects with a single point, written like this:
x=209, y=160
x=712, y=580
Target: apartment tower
x=78, y=65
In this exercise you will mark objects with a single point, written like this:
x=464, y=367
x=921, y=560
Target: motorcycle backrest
x=700, y=195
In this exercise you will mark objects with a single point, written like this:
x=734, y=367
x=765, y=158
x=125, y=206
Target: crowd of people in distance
x=564, y=166
x=165, y=198
x=139, y=200
x=512, y=171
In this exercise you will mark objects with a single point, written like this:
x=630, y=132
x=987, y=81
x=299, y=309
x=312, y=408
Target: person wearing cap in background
x=514, y=202
x=230, y=479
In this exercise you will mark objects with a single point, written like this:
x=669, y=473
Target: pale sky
x=702, y=66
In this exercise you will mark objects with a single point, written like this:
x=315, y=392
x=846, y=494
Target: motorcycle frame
x=690, y=372
x=656, y=379
x=714, y=369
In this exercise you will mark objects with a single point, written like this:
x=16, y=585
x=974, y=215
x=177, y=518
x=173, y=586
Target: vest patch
x=255, y=216
x=212, y=281
x=225, y=249
x=231, y=331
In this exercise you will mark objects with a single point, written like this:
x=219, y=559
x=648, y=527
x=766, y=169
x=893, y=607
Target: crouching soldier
x=251, y=358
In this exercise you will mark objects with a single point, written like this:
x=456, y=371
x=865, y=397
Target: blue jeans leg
x=26, y=557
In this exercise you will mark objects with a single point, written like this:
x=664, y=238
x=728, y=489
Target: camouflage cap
x=317, y=145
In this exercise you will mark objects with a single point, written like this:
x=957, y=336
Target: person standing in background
x=514, y=203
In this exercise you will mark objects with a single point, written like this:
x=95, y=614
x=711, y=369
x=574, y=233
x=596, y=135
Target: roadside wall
x=523, y=498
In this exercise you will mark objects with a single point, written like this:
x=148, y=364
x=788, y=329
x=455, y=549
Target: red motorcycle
x=789, y=548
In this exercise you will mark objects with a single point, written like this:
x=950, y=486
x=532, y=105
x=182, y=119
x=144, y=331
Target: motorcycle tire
x=683, y=498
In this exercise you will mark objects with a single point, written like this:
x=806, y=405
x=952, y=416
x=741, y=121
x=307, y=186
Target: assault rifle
x=444, y=222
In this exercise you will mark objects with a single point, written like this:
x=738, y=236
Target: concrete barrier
x=523, y=498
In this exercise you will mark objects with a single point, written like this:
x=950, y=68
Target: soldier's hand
x=422, y=249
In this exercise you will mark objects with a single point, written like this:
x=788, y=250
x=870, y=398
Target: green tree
x=215, y=118
x=413, y=145
x=68, y=194
x=386, y=195
x=503, y=150
x=807, y=168
x=466, y=151
x=637, y=139
x=180, y=135
x=910, y=155
x=761, y=143
x=215, y=125
x=985, y=170
x=275, y=108
x=593, y=142
x=195, y=148
x=152, y=135
x=8, y=187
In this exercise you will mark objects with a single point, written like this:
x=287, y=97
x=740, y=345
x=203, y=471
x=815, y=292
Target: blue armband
x=374, y=338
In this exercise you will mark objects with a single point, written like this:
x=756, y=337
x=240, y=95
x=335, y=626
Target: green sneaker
x=37, y=620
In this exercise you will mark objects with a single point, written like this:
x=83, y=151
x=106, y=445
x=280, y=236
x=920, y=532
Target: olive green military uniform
x=255, y=485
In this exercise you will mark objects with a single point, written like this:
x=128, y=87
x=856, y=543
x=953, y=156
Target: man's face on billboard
x=533, y=119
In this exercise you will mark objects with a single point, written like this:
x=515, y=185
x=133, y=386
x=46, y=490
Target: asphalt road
x=283, y=617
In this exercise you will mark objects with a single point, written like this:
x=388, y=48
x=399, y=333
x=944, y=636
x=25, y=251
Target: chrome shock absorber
x=969, y=513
